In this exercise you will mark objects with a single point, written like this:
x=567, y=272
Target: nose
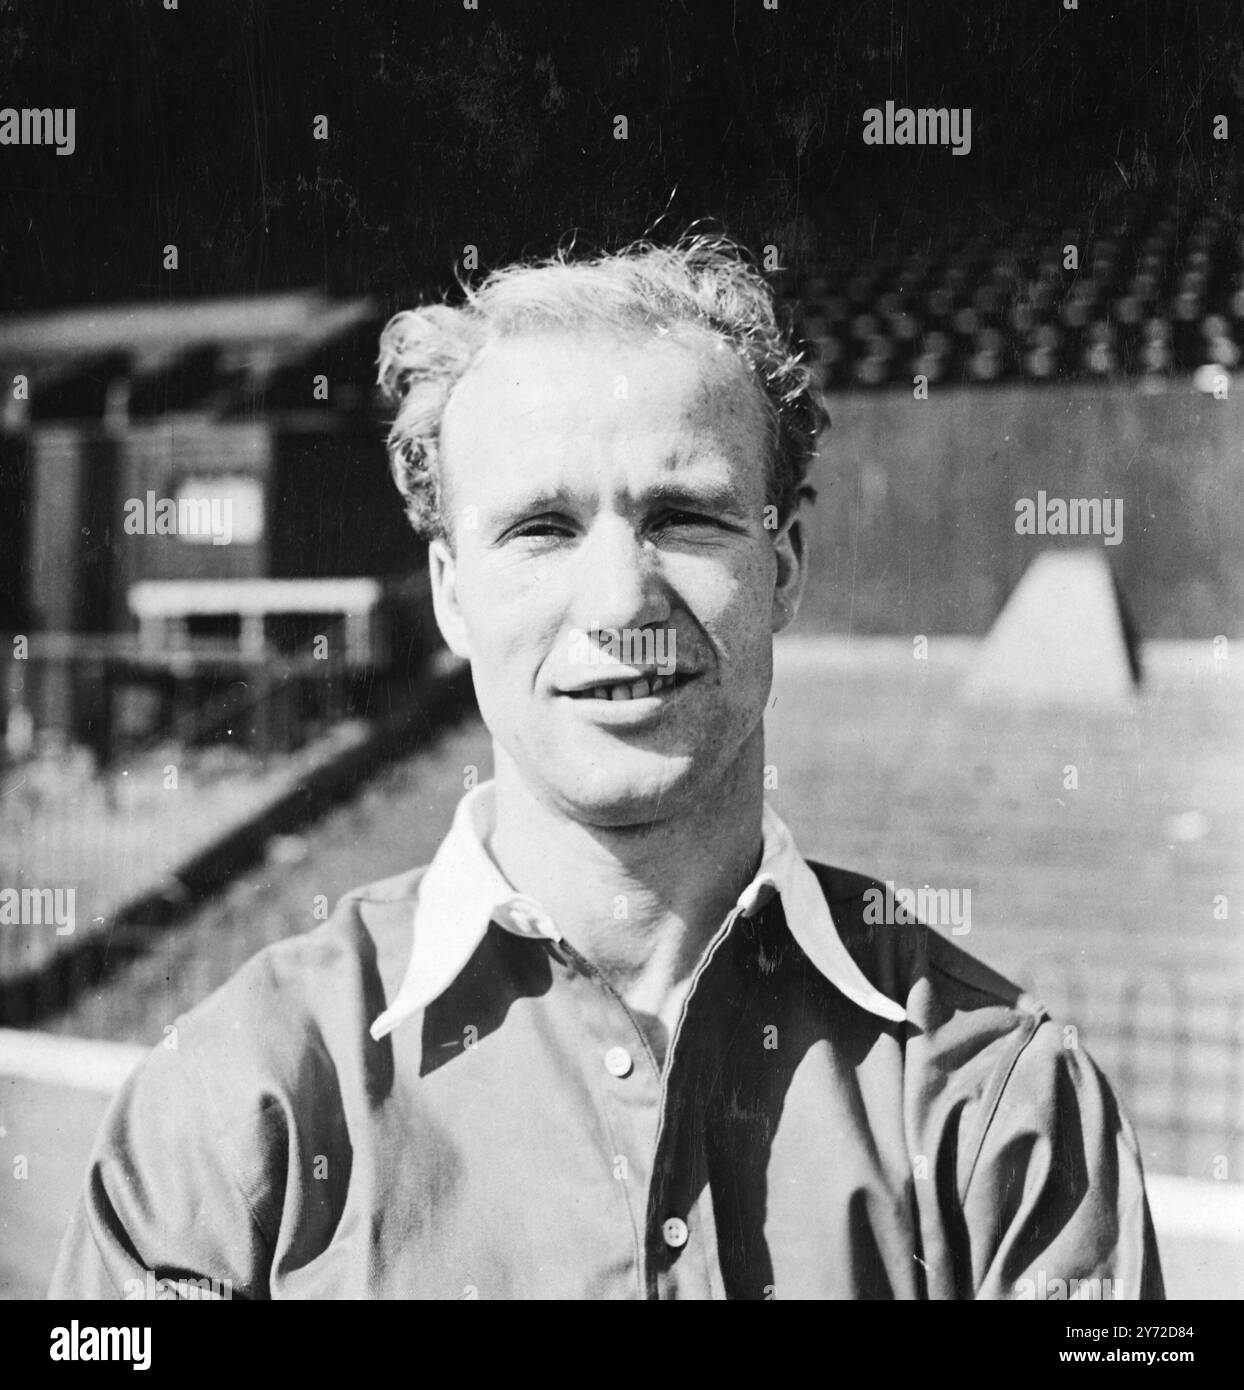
x=618, y=579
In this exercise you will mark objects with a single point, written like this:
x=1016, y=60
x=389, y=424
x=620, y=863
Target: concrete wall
x=914, y=531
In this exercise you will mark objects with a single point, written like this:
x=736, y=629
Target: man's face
x=602, y=484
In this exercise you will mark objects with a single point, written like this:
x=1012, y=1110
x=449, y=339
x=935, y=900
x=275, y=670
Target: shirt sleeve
x=162, y=1198
x=1056, y=1195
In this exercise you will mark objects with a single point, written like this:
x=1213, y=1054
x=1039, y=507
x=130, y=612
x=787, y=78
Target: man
x=619, y=1040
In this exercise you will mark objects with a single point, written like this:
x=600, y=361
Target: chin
x=631, y=790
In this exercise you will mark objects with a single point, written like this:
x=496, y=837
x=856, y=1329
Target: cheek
x=507, y=624
x=488, y=596
x=738, y=605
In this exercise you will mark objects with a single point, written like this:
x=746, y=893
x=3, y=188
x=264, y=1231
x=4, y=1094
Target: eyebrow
x=532, y=504
x=713, y=495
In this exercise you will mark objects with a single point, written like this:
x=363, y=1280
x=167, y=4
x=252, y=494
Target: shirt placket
x=680, y=1249
x=626, y=1082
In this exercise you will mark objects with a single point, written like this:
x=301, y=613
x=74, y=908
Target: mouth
x=641, y=688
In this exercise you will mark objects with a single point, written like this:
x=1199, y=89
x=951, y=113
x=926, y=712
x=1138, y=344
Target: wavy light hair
x=701, y=281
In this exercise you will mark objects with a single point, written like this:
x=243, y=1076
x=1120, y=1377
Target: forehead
x=541, y=398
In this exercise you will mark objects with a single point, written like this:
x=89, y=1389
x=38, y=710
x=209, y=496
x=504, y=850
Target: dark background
x=494, y=128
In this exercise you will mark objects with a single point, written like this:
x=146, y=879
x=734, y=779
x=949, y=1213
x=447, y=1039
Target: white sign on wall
x=234, y=494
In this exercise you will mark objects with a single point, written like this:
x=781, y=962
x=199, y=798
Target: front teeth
x=636, y=691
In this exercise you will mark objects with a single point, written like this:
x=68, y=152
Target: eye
x=536, y=528
x=685, y=519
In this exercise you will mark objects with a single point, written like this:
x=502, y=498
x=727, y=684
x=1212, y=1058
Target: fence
x=273, y=699
x=1175, y=1054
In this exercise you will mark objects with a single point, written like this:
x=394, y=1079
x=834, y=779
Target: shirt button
x=618, y=1062
x=675, y=1232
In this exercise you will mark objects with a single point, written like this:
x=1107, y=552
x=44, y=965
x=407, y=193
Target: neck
x=640, y=901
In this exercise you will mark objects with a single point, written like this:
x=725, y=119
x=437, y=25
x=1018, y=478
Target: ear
x=443, y=575
x=790, y=547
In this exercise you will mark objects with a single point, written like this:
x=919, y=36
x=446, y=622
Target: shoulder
x=293, y=1016
x=972, y=1036
x=307, y=979
x=1037, y=1166
x=273, y=1061
x=936, y=977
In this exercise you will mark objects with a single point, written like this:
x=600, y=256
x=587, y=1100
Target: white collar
x=462, y=891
